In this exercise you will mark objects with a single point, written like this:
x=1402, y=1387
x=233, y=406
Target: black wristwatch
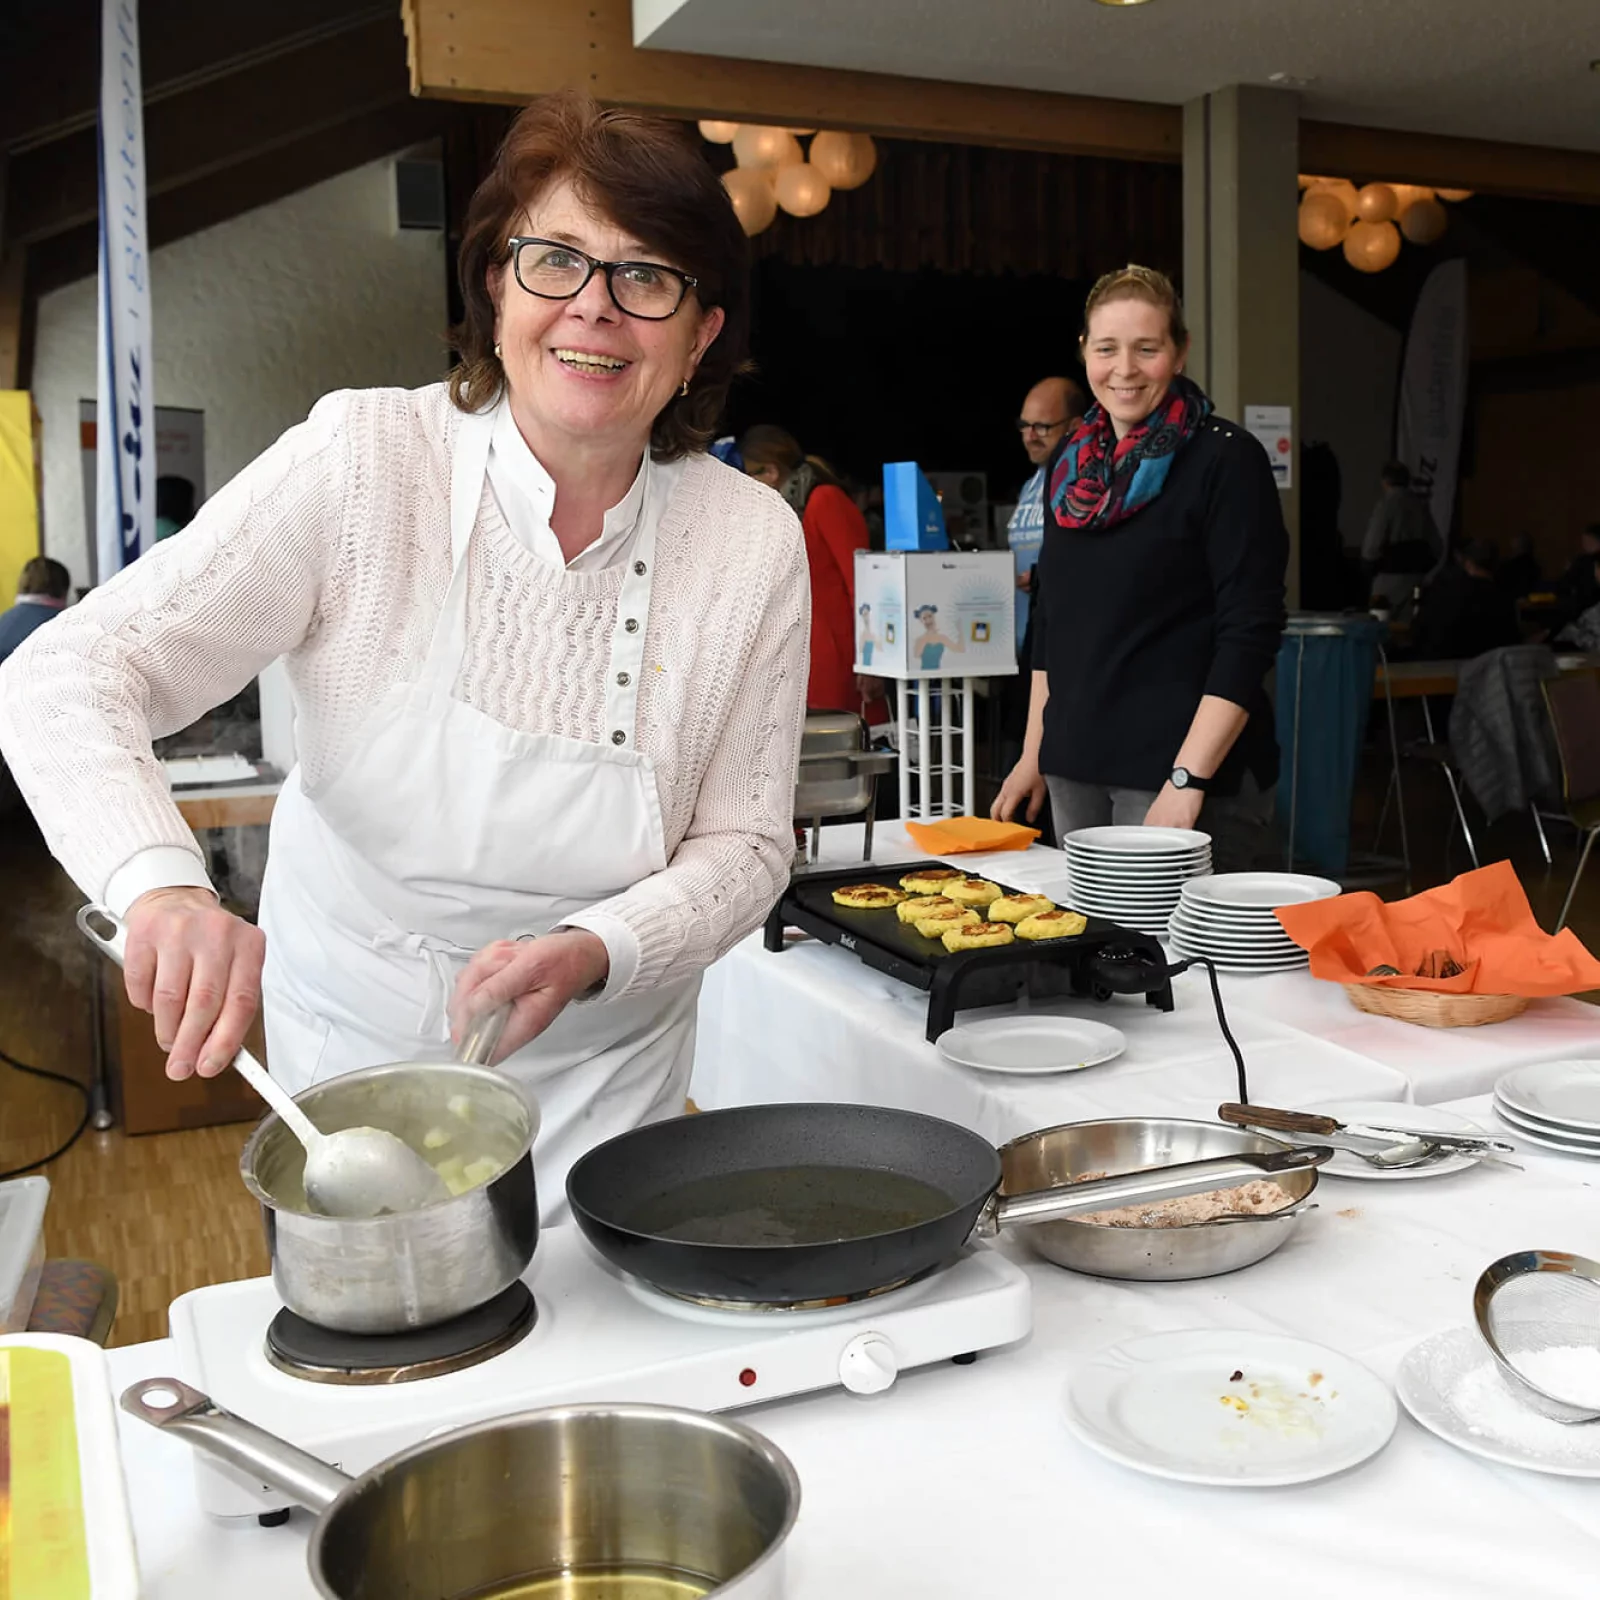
x=1183, y=778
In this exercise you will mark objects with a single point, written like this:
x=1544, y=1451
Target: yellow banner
x=19, y=490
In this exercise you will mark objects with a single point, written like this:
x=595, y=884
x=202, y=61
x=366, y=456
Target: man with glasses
x=1051, y=411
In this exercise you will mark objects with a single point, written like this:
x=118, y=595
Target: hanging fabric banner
x=1433, y=391
x=125, y=479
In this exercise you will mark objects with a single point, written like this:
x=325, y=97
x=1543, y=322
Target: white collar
x=514, y=466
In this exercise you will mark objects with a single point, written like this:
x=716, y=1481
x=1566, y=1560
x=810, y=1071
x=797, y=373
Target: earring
x=497, y=352
x=684, y=390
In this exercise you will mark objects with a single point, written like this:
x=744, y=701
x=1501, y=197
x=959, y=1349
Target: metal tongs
x=1479, y=1146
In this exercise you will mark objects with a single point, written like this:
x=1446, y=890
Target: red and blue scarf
x=1100, y=480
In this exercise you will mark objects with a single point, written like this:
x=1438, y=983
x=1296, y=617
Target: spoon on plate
x=356, y=1172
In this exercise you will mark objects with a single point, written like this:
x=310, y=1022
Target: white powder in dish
x=1570, y=1372
x=1481, y=1398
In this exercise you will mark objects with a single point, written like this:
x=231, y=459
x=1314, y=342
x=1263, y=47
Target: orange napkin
x=958, y=835
x=1482, y=918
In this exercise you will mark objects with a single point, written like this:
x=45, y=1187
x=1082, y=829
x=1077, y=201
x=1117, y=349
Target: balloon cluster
x=1369, y=221
x=772, y=169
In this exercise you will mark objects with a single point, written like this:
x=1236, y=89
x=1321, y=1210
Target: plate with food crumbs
x=1451, y=1385
x=1229, y=1408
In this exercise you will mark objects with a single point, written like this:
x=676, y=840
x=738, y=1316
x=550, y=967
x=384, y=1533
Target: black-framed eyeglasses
x=1025, y=426
x=555, y=271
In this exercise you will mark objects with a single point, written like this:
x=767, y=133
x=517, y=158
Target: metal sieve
x=1534, y=1302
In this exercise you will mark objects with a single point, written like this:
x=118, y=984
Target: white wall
x=1349, y=370
x=254, y=319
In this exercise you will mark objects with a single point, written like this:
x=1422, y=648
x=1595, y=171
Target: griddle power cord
x=1222, y=1018
x=72, y=1138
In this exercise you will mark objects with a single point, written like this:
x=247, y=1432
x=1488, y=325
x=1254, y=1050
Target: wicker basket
x=1434, y=1008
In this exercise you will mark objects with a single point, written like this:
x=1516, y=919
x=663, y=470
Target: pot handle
x=1141, y=1188
x=174, y=1407
x=482, y=1035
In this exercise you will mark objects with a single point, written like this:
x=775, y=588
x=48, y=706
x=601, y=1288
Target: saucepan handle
x=1143, y=1188
x=1277, y=1121
x=172, y=1406
x=483, y=1034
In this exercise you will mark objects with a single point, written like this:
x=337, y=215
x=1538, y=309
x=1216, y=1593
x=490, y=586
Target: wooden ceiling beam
x=216, y=125
x=511, y=51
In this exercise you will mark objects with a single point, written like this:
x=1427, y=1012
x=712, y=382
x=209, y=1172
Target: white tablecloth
x=811, y=1022
x=962, y=1483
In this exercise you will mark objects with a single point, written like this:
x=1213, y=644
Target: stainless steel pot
x=837, y=775
x=488, y=1509
x=409, y=1269
x=1054, y=1157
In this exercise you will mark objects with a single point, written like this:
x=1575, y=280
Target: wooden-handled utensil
x=1305, y=1122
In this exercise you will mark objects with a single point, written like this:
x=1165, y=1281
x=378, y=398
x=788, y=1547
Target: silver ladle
x=357, y=1172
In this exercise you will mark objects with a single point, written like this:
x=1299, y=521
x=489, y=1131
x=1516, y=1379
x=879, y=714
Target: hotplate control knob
x=868, y=1364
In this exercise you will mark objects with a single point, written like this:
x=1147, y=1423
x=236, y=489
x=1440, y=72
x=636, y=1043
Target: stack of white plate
x=1553, y=1104
x=1228, y=918
x=1133, y=875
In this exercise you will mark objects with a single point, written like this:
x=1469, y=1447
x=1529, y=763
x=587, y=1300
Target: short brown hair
x=43, y=576
x=644, y=175
x=1139, y=283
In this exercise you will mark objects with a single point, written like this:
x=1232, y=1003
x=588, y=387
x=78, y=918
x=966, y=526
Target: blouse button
x=624, y=679
x=632, y=624
x=619, y=737
x=639, y=568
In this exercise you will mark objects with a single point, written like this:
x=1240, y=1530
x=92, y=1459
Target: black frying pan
x=788, y=1203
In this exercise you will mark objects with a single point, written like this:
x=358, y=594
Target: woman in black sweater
x=1160, y=597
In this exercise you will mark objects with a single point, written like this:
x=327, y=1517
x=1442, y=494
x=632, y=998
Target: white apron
x=446, y=830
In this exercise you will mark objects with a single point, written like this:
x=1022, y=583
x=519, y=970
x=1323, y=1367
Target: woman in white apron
x=548, y=660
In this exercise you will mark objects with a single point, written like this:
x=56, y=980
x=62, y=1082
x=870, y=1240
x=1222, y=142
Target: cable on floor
x=73, y=1137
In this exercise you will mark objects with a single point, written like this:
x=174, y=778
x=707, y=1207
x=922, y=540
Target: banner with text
x=125, y=498
x=1433, y=391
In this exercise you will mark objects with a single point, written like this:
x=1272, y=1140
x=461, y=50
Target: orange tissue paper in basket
x=956, y=836
x=1481, y=919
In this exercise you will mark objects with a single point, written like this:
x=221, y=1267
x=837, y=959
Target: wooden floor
x=168, y=1213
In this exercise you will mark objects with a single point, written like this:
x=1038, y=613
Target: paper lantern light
x=802, y=133
x=846, y=160
x=1453, y=194
x=802, y=191
x=1407, y=194
x=1375, y=202
x=1324, y=221
x=1424, y=221
x=1372, y=246
x=718, y=132
x=768, y=148
x=754, y=203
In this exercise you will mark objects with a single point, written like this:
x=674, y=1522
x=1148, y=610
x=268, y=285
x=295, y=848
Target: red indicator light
x=748, y=1376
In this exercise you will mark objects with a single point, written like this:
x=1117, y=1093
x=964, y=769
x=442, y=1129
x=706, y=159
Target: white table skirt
x=812, y=1022
x=962, y=1482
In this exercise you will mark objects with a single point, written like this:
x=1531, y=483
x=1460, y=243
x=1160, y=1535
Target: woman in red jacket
x=835, y=530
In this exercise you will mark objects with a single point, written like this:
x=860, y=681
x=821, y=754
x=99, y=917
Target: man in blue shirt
x=1052, y=410
x=41, y=592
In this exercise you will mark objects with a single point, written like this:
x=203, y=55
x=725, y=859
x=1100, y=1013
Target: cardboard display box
x=935, y=613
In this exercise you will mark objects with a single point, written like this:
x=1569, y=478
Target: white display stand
x=938, y=753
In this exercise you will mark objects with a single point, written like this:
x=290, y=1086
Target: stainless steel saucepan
x=637, y=1500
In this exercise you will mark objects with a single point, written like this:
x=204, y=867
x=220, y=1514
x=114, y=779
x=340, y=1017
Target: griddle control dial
x=868, y=1364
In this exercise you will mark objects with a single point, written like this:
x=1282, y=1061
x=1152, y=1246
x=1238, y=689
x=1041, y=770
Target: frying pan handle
x=174, y=1407
x=1278, y=1121
x=1142, y=1188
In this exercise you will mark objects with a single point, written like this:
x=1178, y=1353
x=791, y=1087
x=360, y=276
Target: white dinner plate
x=1236, y=962
x=1127, y=902
x=1451, y=1385
x=1393, y=1114
x=1567, y=1092
x=1547, y=1141
x=1549, y=1130
x=1137, y=839
x=1229, y=917
x=1128, y=880
x=1244, y=937
x=1031, y=1046
x=1169, y=1404
x=1267, y=890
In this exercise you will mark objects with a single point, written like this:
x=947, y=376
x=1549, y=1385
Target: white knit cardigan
x=332, y=550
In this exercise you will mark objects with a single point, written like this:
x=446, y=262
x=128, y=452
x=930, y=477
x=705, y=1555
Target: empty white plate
x=1031, y=1046
x=1170, y=1404
x=1451, y=1385
x=1548, y=1130
x=1546, y=1141
x=1244, y=937
x=1267, y=890
x=1566, y=1092
x=1138, y=840
x=1393, y=1114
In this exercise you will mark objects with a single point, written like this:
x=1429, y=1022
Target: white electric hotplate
x=599, y=1336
